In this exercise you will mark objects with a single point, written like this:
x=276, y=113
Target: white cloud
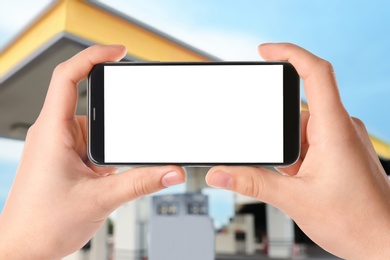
x=221, y=206
x=227, y=45
x=10, y=150
x=16, y=15
x=222, y=43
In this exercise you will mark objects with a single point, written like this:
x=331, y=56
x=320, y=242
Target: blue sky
x=7, y=173
x=10, y=152
x=353, y=35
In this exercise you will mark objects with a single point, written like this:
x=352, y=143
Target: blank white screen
x=193, y=114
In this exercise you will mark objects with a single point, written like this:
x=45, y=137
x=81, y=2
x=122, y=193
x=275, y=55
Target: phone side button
x=94, y=114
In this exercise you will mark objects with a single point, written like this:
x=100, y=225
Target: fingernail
x=266, y=44
x=221, y=180
x=171, y=179
x=116, y=45
x=123, y=47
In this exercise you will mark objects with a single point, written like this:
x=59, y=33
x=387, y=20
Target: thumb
x=61, y=99
x=259, y=183
x=117, y=189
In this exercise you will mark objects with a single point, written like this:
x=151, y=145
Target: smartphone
x=193, y=113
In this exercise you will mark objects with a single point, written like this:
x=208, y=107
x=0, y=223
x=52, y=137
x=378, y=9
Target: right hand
x=337, y=192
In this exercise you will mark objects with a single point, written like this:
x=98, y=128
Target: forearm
x=375, y=244
x=18, y=243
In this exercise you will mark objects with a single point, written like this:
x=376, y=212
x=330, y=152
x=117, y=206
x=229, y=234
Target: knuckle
x=59, y=69
x=30, y=131
x=326, y=66
x=254, y=187
x=359, y=124
x=140, y=188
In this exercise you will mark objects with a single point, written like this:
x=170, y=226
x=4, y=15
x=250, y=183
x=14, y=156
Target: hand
x=337, y=192
x=59, y=199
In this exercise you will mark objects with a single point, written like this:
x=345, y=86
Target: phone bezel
x=291, y=113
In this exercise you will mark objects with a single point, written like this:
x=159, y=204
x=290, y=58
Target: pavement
x=312, y=253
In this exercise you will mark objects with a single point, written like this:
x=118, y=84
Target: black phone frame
x=291, y=113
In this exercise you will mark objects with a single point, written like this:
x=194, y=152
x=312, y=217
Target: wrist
x=381, y=249
x=377, y=239
x=16, y=243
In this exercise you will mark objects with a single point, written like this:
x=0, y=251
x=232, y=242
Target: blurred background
x=37, y=35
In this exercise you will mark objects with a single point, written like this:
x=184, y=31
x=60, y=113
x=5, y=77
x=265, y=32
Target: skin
x=59, y=199
x=337, y=192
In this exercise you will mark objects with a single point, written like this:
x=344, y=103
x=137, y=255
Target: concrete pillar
x=126, y=237
x=99, y=247
x=246, y=224
x=280, y=231
x=78, y=255
x=196, y=178
x=131, y=225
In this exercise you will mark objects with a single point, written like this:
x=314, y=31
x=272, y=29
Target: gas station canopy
x=65, y=28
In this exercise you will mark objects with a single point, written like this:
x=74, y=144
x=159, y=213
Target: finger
x=61, y=99
x=80, y=140
x=305, y=116
x=258, y=183
x=319, y=80
x=101, y=170
x=290, y=170
x=82, y=121
x=117, y=189
x=294, y=169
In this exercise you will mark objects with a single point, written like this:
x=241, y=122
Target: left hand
x=59, y=199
